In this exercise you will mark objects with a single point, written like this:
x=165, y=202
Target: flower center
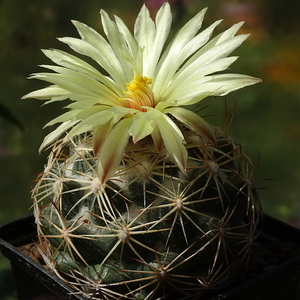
x=138, y=94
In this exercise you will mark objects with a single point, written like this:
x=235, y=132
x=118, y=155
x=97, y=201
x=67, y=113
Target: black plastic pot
x=34, y=282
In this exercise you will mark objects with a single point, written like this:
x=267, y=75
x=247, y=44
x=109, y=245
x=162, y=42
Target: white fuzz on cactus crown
x=145, y=85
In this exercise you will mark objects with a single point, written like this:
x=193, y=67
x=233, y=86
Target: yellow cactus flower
x=142, y=84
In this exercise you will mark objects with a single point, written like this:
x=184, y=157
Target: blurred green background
x=266, y=120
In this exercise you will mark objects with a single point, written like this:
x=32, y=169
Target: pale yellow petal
x=140, y=127
x=111, y=152
x=56, y=134
x=100, y=134
x=173, y=141
x=194, y=122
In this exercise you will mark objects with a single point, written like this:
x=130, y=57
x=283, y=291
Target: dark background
x=266, y=120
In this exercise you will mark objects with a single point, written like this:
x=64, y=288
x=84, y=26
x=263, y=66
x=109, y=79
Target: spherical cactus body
x=151, y=229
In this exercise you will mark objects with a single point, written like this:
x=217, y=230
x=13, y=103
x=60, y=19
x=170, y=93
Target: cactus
x=141, y=198
x=151, y=225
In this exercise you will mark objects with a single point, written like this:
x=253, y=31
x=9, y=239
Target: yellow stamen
x=139, y=94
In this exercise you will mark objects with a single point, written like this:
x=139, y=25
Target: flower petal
x=157, y=139
x=212, y=61
x=103, y=59
x=56, y=134
x=230, y=82
x=199, y=40
x=223, y=36
x=195, y=93
x=192, y=74
x=102, y=51
x=70, y=115
x=144, y=29
x=110, y=155
x=47, y=93
x=100, y=134
x=173, y=141
x=83, y=103
x=69, y=61
x=101, y=117
x=140, y=127
x=209, y=59
x=215, y=85
x=116, y=40
x=129, y=41
x=152, y=36
x=194, y=122
x=173, y=56
x=78, y=84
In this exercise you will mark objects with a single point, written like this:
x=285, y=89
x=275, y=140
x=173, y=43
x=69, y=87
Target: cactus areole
x=141, y=198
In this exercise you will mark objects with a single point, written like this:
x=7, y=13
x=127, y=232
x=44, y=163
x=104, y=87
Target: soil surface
x=32, y=251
